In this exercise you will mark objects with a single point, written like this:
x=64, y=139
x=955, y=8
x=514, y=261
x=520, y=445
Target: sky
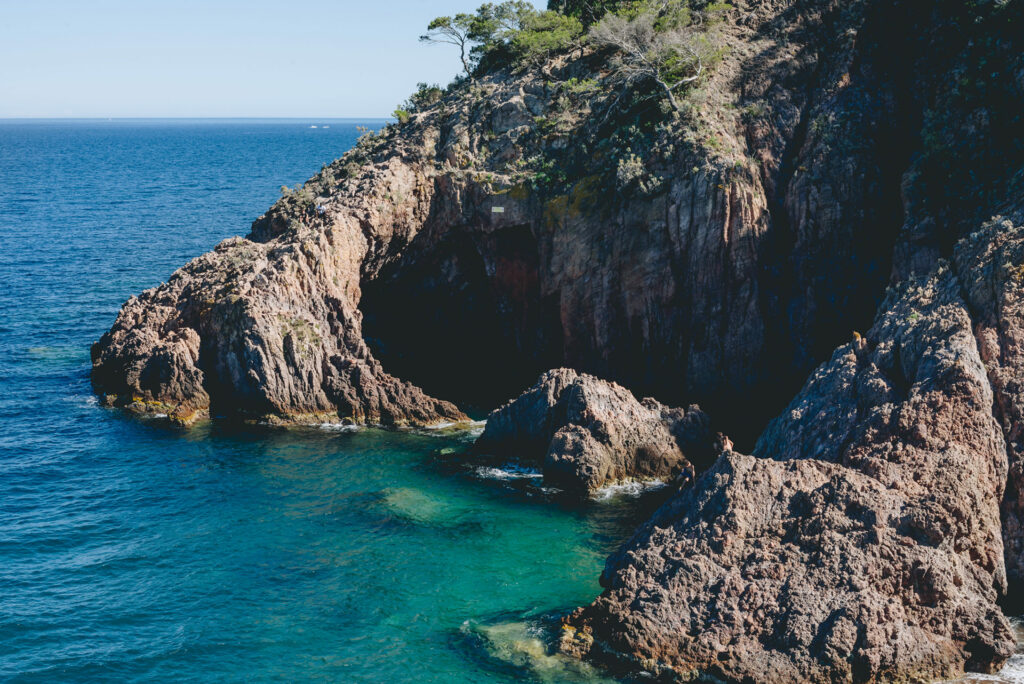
x=218, y=58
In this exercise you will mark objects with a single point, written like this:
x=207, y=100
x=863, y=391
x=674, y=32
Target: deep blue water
x=130, y=551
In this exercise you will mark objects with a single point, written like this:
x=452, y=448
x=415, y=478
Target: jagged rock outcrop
x=268, y=327
x=586, y=433
x=990, y=264
x=861, y=541
x=719, y=274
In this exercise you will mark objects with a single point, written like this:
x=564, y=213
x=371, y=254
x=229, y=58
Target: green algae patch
x=520, y=191
x=555, y=210
x=527, y=647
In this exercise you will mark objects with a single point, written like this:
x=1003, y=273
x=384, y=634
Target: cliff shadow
x=461, y=315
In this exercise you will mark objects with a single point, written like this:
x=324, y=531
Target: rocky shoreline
x=839, y=168
x=860, y=542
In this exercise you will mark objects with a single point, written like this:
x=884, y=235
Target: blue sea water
x=131, y=551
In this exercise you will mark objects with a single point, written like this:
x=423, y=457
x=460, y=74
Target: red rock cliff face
x=268, y=327
x=862, y=540
x=877, y=528
x=758, y=232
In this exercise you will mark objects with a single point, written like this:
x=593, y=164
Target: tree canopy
x=662, y=43
x=453, y=31
x=504, y=33
x=658, y=41
x=587, y=11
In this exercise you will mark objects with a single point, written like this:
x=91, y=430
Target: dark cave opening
x=462, y=317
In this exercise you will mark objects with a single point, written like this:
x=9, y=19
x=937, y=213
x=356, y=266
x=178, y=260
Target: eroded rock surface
x=860, y=542
x=990, y=263
x=268, y=327
x=758, y=226
x=586, y=433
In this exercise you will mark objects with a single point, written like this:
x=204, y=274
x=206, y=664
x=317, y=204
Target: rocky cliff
x=743, y=239
x=860, y=542
x=876, y=529
x=269, y=327
x=839, y=165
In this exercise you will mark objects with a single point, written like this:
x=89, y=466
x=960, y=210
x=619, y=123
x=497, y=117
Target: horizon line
x=193, y=118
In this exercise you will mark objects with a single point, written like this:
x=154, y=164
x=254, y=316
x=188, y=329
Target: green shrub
x=587, y=11
x=298, y=198
x=353, y=169
x=327, y=182
x=629, y=171
x=581, y=86
x=543, y=34
x=402, y=115
x=659, y=42
x=425, y=96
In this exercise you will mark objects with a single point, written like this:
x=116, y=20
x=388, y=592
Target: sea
x=132, y=551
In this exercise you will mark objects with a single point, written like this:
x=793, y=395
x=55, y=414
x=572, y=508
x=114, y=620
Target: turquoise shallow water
x=130, y=551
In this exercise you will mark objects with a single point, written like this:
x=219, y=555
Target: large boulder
x=587, y=433
x=861, y=542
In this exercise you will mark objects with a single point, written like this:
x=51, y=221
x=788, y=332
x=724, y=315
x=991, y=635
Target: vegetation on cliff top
x=617, y=79
x=661, y=42
x=617, y=75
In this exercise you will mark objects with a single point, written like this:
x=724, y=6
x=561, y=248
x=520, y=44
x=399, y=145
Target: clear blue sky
x=164, y=58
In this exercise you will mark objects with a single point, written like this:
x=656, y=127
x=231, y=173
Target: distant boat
x=312, y=126
x=326, y=127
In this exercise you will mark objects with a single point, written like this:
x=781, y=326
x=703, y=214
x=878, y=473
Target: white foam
x=509, y=471
x=1012, y=673
x=632, y=488
x=340, y=427
x=83, y=399
x=468, y=425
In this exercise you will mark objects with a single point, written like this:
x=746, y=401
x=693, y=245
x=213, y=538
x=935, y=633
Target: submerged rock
x=524, y=646
x=586, y=433
x=861, y=542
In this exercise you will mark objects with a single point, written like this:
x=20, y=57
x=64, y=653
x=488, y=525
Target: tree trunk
x=668, y=91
